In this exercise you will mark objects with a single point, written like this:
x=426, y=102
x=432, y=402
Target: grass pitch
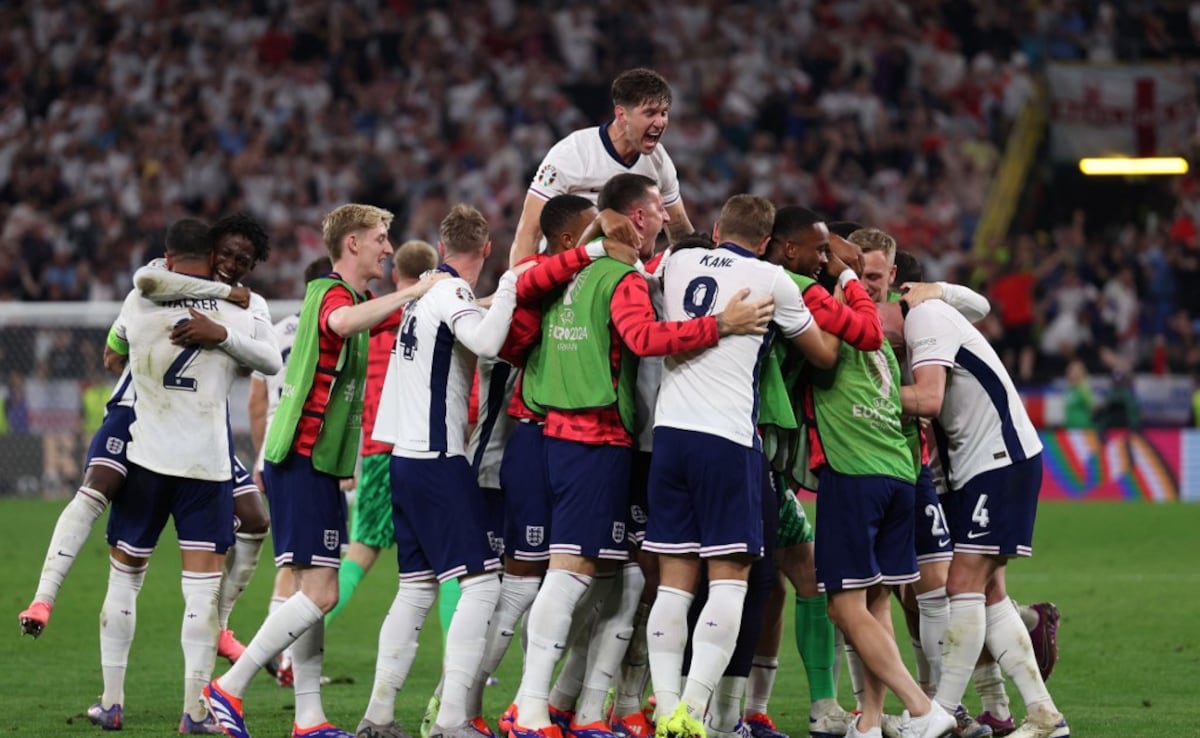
x=1124, y=575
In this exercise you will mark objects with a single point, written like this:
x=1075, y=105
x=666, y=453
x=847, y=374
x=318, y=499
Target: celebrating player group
x=625, y=483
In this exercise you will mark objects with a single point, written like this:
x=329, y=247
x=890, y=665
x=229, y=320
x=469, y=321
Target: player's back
x=713, y=391
x=423, y=407
x=984, y=423
x=181, y=417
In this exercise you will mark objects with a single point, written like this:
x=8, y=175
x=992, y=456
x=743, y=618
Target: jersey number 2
x=174, y=378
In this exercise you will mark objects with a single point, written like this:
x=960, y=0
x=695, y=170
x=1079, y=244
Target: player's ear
x=441, y=250
x=716, y=234
x=487, y=248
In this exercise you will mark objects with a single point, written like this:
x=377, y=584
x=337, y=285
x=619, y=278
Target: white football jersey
x=181, y=425
x=582, y=162
x=285, y=336
x=423, y=405
x=983, y=424
x=715, y=391
x=494, y=425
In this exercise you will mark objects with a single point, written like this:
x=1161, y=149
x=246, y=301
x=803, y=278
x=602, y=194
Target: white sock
x=854, y=667
x=635, y=668
x=549, y=628
x=989, y=683
x=70, y=533
x=240, y=562
x=564, y=693
x=516, y=595
x=398, y=640
x=198, y=636
x=713, y=642
x=839, y=647
x=278, y=631
x=118, y=620
x=666, y=637
x=465, y=639
x=934, y=607
x=308, y=656
x=727, y=703
x=610, y=640
x=1008, y=640
x=963, y=643
x=762, y=680
x=923, y=677
x=1029, y=616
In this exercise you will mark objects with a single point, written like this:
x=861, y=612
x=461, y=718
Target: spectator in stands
x=1078, y=404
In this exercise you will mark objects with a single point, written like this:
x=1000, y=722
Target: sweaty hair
x=559, y=211
x=844, y=228
x=747, y=219
x=624, y=191
x=347, y=219
x=873, y=239
x=464, y=230
x=240, y=224
x=908, y=268
x=189, y=238
x=697, y=240
x=318, y=268
x=414, y=258
x=791, y=219
x=633, y=87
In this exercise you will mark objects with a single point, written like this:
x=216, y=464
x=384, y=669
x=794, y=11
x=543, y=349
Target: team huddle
x=605, y=451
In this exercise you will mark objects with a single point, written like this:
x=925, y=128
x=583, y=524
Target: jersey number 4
x=407, y=338
x=174, y=379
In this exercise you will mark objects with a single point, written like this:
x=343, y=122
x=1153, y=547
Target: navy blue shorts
x=243, y=480
x=864, y=531
x=493, y=519
x=639, y=498
x=439, y=514
x=112, y=437
x=995, y=511
x=932, y=532
x=590, y=485
x=308, y=513
x=202, y=510
x=706, y=494
x=527, y=499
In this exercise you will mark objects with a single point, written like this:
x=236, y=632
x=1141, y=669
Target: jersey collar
x=612, y=150
x=730, y=246
x=449, y=270
x=338, y=277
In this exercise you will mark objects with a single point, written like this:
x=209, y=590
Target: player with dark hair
x=585, y=160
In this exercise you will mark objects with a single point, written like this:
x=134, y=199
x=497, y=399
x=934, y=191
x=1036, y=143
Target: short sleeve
x=931, y=335
x=337, y=297
x=668, y=179
x=454, y=300
x=791, y=314
x=558, y=170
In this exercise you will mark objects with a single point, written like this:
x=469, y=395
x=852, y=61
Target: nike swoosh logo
x=506, y=634
x=943, y=542
x=560, y=646
x=624, y=637
x=66, y=555
x=973, y=535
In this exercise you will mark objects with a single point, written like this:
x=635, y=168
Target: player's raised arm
x=528, y=233
x=973, y=306
x=161, y=285
x=350, y=319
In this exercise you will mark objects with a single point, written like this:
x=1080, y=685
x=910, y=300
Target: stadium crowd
x=118, y=117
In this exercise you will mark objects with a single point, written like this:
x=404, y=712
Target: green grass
x=1123, y=575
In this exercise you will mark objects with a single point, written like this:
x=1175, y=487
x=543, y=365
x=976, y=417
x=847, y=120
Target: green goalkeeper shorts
x=794, y=527
x=373, y=503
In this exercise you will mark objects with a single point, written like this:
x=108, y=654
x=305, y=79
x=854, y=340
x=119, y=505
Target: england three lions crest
x=535, y=534
x=331, y=539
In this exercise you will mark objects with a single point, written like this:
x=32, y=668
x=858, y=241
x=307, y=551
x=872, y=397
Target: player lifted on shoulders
x=582, y=162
